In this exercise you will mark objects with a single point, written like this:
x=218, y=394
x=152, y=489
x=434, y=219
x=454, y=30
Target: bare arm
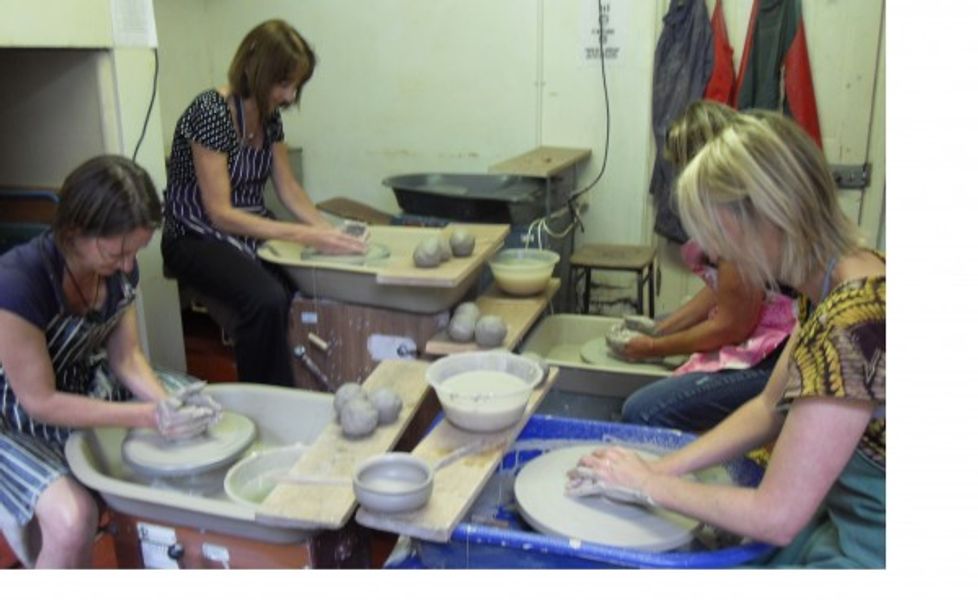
x=689, y=314
x=215, y=189
x=738, y=311
x=129, y=363
x=290, y=192
x=27, y=365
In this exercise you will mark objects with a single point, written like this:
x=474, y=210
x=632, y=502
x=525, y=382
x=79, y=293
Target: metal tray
x=471, y=197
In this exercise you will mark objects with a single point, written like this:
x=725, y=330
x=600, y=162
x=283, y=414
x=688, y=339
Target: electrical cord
x=540, y=224
x=152, y=99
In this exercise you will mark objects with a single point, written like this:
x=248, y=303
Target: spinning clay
x=358, y=418
x=427, y=254
x=490, y=331
x=387, y=403
x=462, y=242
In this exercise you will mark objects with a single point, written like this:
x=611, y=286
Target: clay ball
x=462, y=242
x=470, y=309
x=427, y=254
x=490, y=331
x=358, y=418
x=348, y=391
x=445, y=248
x=461, y=328
x=387, y=403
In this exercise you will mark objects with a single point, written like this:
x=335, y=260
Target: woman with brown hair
x=226, y=146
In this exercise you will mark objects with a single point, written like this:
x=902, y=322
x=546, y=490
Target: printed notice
x=604, y=29
x=133, y=23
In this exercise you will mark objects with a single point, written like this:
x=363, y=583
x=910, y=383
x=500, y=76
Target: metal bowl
x=393, y=482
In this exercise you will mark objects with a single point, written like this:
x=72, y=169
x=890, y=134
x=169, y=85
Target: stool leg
x=587, y=291
x=641, y=301
x=652, y=291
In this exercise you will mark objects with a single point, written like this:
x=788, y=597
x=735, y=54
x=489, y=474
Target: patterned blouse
x=841, y=353
x=208, y=122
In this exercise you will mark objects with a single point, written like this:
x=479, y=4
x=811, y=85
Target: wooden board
x=519, y=313
x=456, y=485
x=400, y=269
x=545, y=161
x=333, y=455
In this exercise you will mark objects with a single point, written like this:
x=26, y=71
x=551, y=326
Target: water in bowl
x=471, y=388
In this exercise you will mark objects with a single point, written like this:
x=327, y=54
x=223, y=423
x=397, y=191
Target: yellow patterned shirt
x=841, y=353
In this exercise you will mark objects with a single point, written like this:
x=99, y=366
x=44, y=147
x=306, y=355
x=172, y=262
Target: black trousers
x=259, y=296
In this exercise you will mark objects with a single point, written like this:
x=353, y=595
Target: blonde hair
x=690, y=131
x=271, y=53
x=763, y=173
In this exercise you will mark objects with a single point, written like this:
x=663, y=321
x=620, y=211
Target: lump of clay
x=387, y=403
x=358, y=418
x=347, y=393
x=462, y=242
x=427, y=254
x=462, y=327
x=445, y=248
x=490, y=331
x=468, y=308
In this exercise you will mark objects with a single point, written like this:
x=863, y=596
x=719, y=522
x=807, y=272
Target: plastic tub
x=523, y=271
x=493, y=535
x=252, y=478
x=483, y=391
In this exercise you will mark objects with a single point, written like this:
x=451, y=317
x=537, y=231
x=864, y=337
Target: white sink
x=283, y=417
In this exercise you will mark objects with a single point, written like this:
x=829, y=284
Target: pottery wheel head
x=375, y=252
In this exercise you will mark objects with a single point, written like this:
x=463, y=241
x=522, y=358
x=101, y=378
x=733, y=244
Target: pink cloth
x=776, y=323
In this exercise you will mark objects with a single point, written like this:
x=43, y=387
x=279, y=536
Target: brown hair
x=106, y=196
x=271, y=53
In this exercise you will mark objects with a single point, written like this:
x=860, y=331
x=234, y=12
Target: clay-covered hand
x=628, y=344
x=641, y=324
x=193, y=395
x=330, y=240
x=614, y=472
x=583, y=481
x=356, y=229
x=178, y=421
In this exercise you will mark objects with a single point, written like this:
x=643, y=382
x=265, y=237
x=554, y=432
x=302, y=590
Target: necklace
x=98, y=283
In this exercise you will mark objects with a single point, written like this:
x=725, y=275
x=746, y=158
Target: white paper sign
x=611, y=26
x=133, y=23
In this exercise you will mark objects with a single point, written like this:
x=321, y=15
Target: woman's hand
x=629, y=344
x=329, y=240
x=614, y=472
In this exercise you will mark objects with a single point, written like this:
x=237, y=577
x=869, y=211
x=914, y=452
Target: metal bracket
x=851, y=177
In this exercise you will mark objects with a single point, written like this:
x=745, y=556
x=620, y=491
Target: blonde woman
x=733, y=329
x=761, y=194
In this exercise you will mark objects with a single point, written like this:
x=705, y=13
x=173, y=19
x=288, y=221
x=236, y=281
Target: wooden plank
x=518, y=313
x=333, y=455
x=544, y=161
x=456, y=485
x=400, y=269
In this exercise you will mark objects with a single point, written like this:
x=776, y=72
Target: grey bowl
x=393, y=482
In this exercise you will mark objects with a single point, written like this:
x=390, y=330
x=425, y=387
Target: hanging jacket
x=722, y=85
x=774, y=70
x=682, y=66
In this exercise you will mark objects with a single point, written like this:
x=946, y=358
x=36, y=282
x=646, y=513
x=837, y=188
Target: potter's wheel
x=539, y=490
x=374, y=253
x=596, y=352
x=149, y=453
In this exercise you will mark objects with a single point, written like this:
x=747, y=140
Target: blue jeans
x=695, y=401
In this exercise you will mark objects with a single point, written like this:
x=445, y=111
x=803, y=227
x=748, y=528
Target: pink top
x=776, y=323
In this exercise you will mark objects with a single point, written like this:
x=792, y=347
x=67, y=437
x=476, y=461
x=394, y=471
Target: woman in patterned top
x=761, y=194
x=226, y=145
x=68, y=342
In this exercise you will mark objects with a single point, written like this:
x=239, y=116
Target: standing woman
x=69, y=342
x=761, y=194
x=226, y=145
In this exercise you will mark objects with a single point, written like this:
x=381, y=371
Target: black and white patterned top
x=209, y=122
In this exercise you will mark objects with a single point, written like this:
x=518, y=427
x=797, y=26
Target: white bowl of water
x=484, y=391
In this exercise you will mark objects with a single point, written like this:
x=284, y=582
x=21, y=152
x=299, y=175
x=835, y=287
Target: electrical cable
x=152, y=99
x=540, y=224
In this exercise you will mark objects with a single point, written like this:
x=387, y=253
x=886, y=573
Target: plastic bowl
x=254, y=477
x=483, y=391
x=523, y=271
x=393, y=482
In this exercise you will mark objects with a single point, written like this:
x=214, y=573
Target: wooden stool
x=614, y=257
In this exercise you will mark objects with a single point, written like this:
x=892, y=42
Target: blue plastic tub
x=495, y=536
